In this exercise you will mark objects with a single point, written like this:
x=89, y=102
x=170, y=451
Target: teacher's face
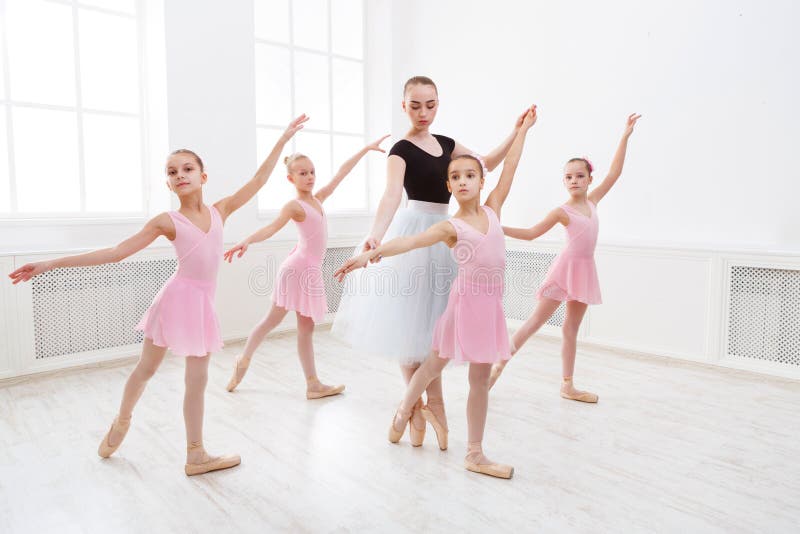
x=420, y=104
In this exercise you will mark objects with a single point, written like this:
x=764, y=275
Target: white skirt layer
x=391, y=307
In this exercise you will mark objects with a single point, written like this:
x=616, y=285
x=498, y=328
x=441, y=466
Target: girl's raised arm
x=347, y=166
x=496, y=156
x=499, y=194
x=291, y=210
x=228, y=205
x=540, y=228
x=601, y=190
x=155, y=227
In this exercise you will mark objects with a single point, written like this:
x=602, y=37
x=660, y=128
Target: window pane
x=124, y=6
x=348, y=96
x=5, y=192
x=278, y=191
x=352, y=192
x=317, y=147
x=272, y=20
x=310, y=24
x=112, y=163
x=41, y=52
x=46, y=160
x=273, y=90
x=109, y=61
x=2, y=66
x=347, y=30
x=311, y=89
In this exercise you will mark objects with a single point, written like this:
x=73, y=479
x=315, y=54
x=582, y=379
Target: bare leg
x=544, y=310
x=257, y=335
x=477, y=407
x=149, y=361
x=418, y=425
x=575, y=313
x=305, y=350
x=198, y=461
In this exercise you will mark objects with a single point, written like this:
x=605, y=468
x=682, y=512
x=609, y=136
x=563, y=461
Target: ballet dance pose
x=473, y=327
x=572, y=277
x=182, y=316
x=408, y=293
x=298, y=285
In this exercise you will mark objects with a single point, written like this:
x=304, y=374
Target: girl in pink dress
x=472, y=328
x=298, y=286
x=572, y=278
x=182, y=316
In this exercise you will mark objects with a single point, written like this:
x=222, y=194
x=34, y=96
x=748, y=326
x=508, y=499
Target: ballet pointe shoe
x=415, y=433
x=321, y=390
x=239, y=370
x=440, y=430
x=105, y=450
x=476, y=462
x=210, y=463
x=568, y=391
x=394, y=434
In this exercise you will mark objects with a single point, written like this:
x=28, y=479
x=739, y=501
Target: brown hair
x=187, y=151
x=419, y=80
x=291, y=158
x=466, y=156
x=585, y=162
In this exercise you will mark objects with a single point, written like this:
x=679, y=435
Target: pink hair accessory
x=483, y=163
x=589, y=163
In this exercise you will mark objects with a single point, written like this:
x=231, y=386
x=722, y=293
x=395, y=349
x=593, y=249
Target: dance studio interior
x=208, y=206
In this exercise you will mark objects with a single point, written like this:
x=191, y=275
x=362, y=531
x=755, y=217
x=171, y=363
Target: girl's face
x=184, y=175
x=420, y=104
x=464, y=179
x=577, y=178
x=302, y=174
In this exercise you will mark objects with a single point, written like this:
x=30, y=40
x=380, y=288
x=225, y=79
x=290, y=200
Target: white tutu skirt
x=391, y=307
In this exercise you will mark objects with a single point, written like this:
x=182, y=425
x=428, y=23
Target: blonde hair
x=187, y=151
x=291, y=158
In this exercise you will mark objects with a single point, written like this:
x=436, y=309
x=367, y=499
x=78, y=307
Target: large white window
x=71, y=126
x=310, y=59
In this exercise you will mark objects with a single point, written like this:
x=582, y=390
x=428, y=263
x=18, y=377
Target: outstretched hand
x=529, y=119
x=376, y=145
x=28, y=271
x=356, y=262
x=295, y=126
x=630, y=123
x=241, y=248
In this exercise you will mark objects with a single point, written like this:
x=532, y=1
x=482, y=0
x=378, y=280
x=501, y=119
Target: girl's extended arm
x=228, y=205
x=493, y=158
x=346, y=167
x=499, y=194
x=601, y=190
x=157, y=226
x=441, y=231
x=291, y=210
x=528, y=234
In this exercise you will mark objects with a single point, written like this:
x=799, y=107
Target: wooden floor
x=671, y=447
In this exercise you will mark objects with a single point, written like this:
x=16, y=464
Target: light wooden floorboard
x=671, y=447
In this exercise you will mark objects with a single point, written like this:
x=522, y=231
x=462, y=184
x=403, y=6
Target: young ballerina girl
x=374, y=319
x=473, y=326
x=298, y=286
x=572, y=278
x=182, y=316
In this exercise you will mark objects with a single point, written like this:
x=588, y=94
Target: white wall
x=712, y=162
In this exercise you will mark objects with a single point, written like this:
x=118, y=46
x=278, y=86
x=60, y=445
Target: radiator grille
x=764, y=314
x=525, y=271
x=80, y=309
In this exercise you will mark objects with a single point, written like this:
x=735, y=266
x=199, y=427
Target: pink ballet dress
x=299, y=286
x=573, y=275
x=182, y=315
x=473, y=327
